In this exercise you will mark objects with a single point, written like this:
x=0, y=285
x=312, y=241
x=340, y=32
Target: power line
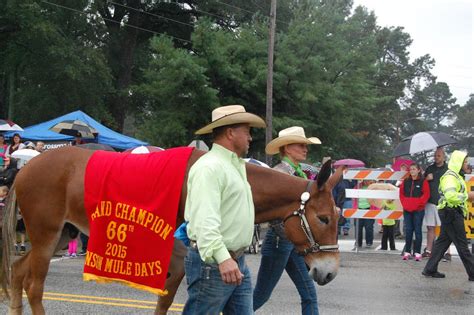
x=211, y=14
x=235, y=7
x=153, y=14
x=248, y=11
x=188, y=41
x=121, y=23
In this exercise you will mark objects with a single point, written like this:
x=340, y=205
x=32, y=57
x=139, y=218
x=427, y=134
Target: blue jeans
x=208, y=294
x=84, y=241
x=347, y=205
x=368, y=224
x=413, y=222
x=278, y=254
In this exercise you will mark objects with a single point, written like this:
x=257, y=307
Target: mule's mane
x=273, y=192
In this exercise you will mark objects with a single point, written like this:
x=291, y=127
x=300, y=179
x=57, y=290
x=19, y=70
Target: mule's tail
x=8, y=240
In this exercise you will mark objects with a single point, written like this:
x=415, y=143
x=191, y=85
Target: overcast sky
x=441, y=28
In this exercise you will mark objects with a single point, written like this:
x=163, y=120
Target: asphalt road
x=369, y=282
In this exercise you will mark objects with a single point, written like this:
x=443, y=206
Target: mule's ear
x=336, y=177
x=324, y=174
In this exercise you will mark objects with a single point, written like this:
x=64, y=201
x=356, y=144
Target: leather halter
x=301, y=213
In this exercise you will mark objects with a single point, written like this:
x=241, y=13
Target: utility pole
x=269, y=109
x=11, y=75
x=11, y=93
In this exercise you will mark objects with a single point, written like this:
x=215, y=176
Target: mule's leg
x=18, y=274
x=176, y=274
x=19, y=279
x=42, y=249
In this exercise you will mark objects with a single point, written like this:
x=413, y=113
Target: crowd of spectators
x=419, y=198
x=9, y=167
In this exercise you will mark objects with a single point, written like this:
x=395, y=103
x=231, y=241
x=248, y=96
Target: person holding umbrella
x=84, y=238
x=433, y=174
x=278, y=252
x=452, y=208
x=78, y=139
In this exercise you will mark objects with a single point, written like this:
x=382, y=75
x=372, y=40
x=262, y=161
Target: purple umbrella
x=349, y=163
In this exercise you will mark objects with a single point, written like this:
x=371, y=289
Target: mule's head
x=318, y=241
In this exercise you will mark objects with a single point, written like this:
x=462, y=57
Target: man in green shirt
x=220, y=215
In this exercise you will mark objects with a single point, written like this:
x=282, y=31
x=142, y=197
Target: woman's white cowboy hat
x=230, y=115
x=289, y=135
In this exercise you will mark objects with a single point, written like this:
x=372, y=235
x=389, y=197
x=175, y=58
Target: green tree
x=131, y=23
x=54, y=69
x=463, y=125
x=175, y=97
x=436, y=104
x=323, y=77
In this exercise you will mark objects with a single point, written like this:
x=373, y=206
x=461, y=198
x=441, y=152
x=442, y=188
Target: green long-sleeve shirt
x=219, y=205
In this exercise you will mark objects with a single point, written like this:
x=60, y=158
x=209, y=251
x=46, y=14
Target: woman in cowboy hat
x=278, y=252
x=220, y=215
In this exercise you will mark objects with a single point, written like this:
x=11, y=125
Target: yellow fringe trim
x=99, y=279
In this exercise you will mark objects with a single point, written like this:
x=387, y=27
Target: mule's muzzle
x=322, y=278
x=324, y=270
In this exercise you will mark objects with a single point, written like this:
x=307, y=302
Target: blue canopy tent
x=106, y=136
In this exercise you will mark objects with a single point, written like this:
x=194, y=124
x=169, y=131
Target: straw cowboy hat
x=230, y=115
x=289, y=135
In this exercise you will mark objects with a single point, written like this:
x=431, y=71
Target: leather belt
x=234, y=254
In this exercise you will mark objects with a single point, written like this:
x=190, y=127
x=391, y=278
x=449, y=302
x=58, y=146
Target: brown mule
x=49, y=190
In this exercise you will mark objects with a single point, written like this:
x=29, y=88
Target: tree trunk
x=124, y=51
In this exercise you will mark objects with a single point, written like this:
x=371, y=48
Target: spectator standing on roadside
x=84, y=238
x=414, y=193
x=401, y=165
x=343, y=202
x=3, y=151
x=433, y=174
x=78, y=139
x=40, y=146
x=388, y=225
x=367, y=224
x=8, y=174
x=15, y=145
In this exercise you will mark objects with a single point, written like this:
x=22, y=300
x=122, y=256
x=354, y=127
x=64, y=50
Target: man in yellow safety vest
x=452, y=208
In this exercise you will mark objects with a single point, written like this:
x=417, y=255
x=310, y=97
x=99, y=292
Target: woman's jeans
x=413, y=222
x=208, y=294
x=278, y=254
x=347, y=225
x=368, y=225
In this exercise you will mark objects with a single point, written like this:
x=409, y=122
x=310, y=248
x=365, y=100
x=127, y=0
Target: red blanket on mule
x=132, y=202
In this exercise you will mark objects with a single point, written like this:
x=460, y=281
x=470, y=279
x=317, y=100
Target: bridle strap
x=303, y=203
x=301, y=213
